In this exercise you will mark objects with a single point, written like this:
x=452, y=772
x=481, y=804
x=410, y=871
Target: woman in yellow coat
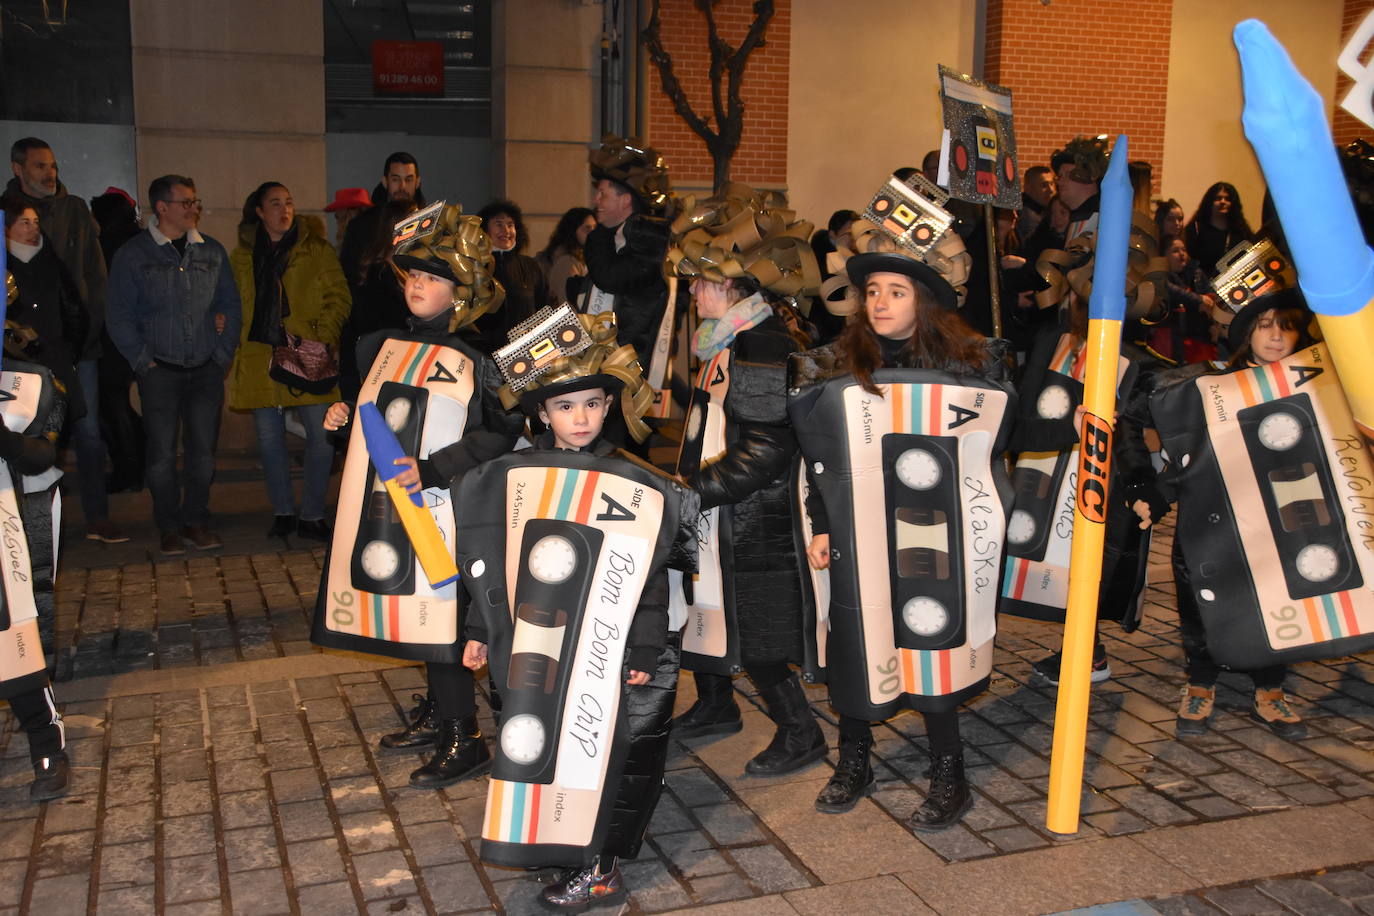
x=292, y=286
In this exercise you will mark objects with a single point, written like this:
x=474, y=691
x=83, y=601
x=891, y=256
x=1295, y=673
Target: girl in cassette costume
x=448, y=284
x=1267, y=329
x=907, y=319
x=746, y=255
x=1045, y=439
x=572, y=395
x=31, y=424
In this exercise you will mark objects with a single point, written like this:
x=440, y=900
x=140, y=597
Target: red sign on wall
x=407, y=67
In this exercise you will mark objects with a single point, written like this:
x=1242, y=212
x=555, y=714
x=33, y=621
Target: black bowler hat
x=861, y=265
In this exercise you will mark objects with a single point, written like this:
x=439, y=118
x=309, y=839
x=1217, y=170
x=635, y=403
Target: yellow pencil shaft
x=1085, y=575
x=1350, y=341
x=434, y=556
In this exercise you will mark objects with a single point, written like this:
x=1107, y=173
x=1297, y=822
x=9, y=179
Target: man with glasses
x=173, y=312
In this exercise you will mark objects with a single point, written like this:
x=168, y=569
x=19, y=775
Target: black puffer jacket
x=50, y=305
x=752, y=485
x=634, y=276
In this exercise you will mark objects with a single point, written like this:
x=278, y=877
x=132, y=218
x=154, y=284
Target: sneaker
x=1272, y=709
x=50, y=776
x=105, y=532
x=172, y=545
x=1047, y=669
x=201, y=538
x=1195, y=710
x=580, y=888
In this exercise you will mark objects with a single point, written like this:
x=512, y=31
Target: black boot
x=853, y=779
x=948, y=799
x=714, y=712
x=419, y=733
x=49, y=777
x=459, y=753
x=798, y=741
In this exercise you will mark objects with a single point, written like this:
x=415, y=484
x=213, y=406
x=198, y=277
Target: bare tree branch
x=727, y=66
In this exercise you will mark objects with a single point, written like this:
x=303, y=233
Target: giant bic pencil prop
x=436, y=559
x=1106, y=311
x=1285, y=122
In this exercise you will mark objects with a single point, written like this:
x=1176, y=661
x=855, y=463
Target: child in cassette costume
x=446, y=273
x=572, y=395
x=747, y=257
x=32, y=421
x=1267, y=329
x=906, y=320
x=1045, y=439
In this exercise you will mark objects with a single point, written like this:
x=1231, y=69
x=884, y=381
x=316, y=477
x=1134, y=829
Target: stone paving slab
x=223, y=764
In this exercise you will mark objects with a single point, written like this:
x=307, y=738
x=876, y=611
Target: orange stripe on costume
x=545, y=498
x=1314, y=619
x=584, y=505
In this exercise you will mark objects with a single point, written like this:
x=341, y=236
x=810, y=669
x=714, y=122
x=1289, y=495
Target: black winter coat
x=752, y=483
x=49, y=304
x=634, y=276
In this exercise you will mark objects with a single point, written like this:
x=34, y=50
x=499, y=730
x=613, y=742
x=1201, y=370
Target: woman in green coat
x=290, y=283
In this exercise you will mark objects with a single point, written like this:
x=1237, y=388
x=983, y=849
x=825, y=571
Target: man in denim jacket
x=173, y=311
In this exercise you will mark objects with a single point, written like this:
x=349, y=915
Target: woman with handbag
x=295, y=301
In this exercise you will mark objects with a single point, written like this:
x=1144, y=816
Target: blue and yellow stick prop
x=383, y=448
x=1106, y=311
x=1285, y=122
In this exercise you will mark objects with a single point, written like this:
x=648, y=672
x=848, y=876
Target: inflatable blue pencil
x=384, y=448
x=1285, y=122
x=1106, y=312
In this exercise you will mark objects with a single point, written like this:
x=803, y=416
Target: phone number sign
x=407, y=67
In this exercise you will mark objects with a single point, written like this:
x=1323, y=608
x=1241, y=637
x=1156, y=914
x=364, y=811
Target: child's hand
x=474, y=654
x=637, y=678
x=336, y=415
x=410, y=477
x=818, y=552
x=1142, y=509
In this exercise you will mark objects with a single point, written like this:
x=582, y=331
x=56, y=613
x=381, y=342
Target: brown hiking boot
x=201, y=538
x=1195, y=710
x=1272, y=709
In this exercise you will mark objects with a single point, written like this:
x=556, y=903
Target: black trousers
x=452, y=688
x=37, y=714
x=942, y=731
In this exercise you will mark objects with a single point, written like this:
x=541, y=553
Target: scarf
x=25, y=253
x=270, y=307
x=715, y=334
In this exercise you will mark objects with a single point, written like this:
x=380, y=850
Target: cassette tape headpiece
x=1071, y=269
x=1250, y=270
x=904, y=229
x=557, y=351
x=442, y=240
x=741, y=233
x=634, y=165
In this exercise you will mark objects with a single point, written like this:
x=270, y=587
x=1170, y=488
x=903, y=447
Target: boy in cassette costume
x=30, y=420
x=441, y=399
x=578, y=535
x=1265, y=331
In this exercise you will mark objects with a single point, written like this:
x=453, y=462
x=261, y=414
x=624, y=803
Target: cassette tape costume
x=902, y=422
x=1035, y=581
x=1270, y=556
x=33, y=410
x=563, y=548
x=440, y=398
x=745, y=253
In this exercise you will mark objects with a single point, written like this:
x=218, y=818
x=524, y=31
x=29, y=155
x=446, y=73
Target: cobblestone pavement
x=223, y=765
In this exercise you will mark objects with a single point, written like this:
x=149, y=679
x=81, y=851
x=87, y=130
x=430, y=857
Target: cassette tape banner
x=1276, y=510
x=557, y=548
x=374, y=596
x=1035, y=582
x=913, y=587
x=710, y=638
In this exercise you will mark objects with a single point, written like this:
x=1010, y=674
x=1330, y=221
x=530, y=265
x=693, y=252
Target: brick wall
x=1343, y=125
x=762, y=154
x=1082, y=67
